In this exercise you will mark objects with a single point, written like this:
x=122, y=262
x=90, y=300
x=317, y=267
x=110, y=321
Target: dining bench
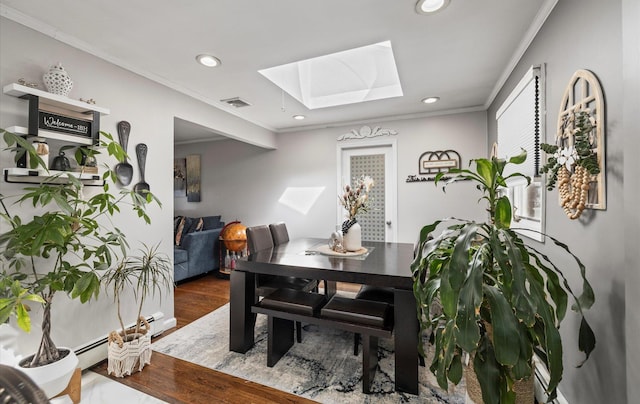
x=372, y=320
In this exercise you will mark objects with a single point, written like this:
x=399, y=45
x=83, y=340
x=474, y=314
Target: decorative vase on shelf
x=42, y=149
x=57, y=80
x=352, y=237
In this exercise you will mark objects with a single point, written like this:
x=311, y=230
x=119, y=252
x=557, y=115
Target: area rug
x=321, y=368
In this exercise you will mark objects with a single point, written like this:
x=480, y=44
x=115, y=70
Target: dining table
x=385, y=264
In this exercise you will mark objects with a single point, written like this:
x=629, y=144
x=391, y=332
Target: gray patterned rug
x=321, y=368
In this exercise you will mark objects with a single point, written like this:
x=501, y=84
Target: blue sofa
x=197, y=246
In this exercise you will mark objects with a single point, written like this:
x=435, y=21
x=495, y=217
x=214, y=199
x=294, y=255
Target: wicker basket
x=524, y=389
x=125, y=357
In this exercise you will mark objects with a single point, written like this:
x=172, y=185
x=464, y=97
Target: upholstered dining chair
x=279, y=233
x=260, y=238
x=380, y=294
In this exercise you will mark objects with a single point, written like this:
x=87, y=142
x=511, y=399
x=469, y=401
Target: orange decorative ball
x=234, y=236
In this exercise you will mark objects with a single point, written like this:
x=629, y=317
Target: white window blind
x=518, y=124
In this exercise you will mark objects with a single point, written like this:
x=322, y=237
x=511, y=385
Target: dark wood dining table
x=386, y=264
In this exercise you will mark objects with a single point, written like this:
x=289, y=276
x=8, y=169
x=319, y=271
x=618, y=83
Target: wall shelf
x=17, y=175
x=59, y=101
x=58, y=117
x=21, y=130
x=75, y=114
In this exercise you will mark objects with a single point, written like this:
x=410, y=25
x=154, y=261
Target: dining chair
x=260, y=238
x=279, y=233
x=381, y=294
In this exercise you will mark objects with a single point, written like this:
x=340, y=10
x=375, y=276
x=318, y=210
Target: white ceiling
x=461, y=54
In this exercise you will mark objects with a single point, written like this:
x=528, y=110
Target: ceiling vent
x=236, y=102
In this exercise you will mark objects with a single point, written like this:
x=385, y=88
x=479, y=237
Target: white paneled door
x=379, y=162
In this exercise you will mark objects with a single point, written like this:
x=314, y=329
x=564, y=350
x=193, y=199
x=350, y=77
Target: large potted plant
x=149, y=272
x=500, y=299
x=60, y=245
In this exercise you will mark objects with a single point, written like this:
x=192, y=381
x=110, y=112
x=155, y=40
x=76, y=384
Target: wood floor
x=176, y=381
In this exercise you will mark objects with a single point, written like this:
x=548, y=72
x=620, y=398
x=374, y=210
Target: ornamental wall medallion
x=366, y=132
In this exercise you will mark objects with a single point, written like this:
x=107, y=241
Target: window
x=520, y=126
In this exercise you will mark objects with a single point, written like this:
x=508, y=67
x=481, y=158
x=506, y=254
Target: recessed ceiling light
x=299, y=117
x=208, y=60
x=430, y=100
x=430, y=6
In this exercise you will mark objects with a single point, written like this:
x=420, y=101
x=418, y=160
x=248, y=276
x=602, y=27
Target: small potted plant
x=149, y=272
x=499, y=299
x=58, y=247
x=355, y=200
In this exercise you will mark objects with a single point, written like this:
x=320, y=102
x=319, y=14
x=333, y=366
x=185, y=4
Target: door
x=379, y=162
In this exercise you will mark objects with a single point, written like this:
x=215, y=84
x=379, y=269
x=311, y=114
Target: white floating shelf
x=21, y=130
x=20, y=91
x=38, y=175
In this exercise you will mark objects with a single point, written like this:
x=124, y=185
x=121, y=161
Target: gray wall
x=631, y=99
x=243, y=182
x=587, y=35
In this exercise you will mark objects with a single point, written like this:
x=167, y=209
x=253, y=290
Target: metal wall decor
x=431, y=163
x=366, y=132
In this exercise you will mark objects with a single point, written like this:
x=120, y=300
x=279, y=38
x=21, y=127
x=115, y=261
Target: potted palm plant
x=59, y=246
x=501, y=300
x=149, y=272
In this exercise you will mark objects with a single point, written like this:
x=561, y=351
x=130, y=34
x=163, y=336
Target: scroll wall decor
x=367, y=132
x=576, y=162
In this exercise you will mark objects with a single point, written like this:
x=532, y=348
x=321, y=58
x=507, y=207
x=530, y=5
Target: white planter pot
x=54, y=377
x=352, y=240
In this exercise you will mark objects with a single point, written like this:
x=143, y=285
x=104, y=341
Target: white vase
x=54, y=377
x=57, y=81
x=352, y=239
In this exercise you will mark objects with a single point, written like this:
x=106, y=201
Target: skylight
x=357, y=75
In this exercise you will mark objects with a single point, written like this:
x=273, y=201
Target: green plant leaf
x=455, y=370
x=448, y=351
x=586, y=340
x=486, y=171
x=557, y=293
x=520, y=158
x=487, y=371
x=551, y=341
x=467, y=330
x=523, y=367
x=525, y=307
x=460, y=256
x=505, y=327
x=503, y=213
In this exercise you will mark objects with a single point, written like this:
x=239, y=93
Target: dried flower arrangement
x=355, y=200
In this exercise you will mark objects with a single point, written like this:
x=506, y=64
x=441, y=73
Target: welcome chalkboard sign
x=64, y=124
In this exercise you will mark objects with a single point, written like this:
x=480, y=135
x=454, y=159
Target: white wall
x=242, y=182
x=566, y=43
x=150, y=108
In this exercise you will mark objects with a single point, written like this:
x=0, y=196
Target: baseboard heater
x=96, y=350
x=542, y=382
